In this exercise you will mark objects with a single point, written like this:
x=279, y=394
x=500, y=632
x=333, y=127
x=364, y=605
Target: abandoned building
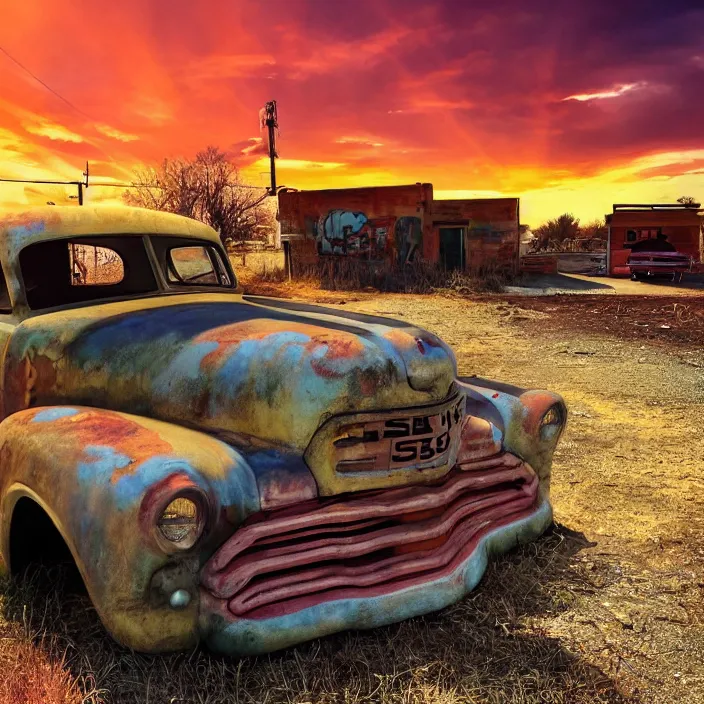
x=399, y=224
x=633, y=223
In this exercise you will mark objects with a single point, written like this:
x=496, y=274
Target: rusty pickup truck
x=240, y=471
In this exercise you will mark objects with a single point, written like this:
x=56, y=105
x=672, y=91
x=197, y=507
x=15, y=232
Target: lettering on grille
x=412, y=441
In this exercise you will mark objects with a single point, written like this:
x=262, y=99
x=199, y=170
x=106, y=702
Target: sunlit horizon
x=369, y=93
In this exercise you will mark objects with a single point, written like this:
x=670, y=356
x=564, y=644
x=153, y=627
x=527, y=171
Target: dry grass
x=481, y=650
x=665, y=319
x=34, y=668
x=343, y=274
x=258, y=262
x=30, y=676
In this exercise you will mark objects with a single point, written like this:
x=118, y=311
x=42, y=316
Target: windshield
x=84, y=269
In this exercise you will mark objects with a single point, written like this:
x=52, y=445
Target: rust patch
x=112, y=430
x=401, y=339
x=44, y=377
x=340, y=347
x=229, y=336
x=536, y=403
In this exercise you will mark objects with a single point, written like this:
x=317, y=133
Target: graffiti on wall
x=350, y=233
x=342, y=232
x=408, y=235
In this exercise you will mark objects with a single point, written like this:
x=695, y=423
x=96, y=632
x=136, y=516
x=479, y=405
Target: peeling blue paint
x=103, y=462
x=185, y=367
x=238, y=487
x=130, y=487
x=49, y=414
x=496, y=434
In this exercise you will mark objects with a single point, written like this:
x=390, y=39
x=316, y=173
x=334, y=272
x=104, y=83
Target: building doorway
x=452, y=248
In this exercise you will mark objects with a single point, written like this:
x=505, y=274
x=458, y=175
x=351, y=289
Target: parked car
x=674, y=265
x=657, y=258
x=238, y=470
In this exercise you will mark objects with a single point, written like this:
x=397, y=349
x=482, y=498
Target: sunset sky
x=570, y=105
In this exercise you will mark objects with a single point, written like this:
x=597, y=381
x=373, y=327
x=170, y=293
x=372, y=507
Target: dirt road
x=692, y=285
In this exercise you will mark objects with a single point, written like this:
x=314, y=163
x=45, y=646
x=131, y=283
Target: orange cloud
x=116, y=134
x=491, y=99
x=222, y=66
x=254, y=146
x=604, y=94
x=52, y=130
x=361, y=141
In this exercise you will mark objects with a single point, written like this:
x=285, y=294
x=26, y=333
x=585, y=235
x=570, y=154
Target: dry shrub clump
x=34, y=662
x=29, y=676
x=344, y=274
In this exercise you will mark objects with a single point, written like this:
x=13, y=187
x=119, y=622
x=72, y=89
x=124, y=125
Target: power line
x=88, y=117
x=60, y=97
x=46, y=85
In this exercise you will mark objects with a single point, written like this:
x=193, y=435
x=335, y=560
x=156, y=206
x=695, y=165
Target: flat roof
x=289, y=191
x=656, y=206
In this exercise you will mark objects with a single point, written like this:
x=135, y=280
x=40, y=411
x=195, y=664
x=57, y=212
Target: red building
x=630, y=224
x=467, y=234
x=399, y=223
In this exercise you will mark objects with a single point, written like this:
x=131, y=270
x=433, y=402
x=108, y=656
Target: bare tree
x=207, y=188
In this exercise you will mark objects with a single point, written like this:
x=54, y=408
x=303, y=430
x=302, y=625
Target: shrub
x=344, y=274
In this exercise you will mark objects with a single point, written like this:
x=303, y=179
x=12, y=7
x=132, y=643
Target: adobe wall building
x=399, y=224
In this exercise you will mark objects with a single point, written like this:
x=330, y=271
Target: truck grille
x=369, y=543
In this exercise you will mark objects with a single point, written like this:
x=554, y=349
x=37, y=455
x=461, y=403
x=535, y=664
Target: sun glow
x=418, y=94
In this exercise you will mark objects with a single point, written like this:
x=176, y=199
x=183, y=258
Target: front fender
x=98, y=475
x=517, y=413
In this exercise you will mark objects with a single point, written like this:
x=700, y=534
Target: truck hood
x=249, y=367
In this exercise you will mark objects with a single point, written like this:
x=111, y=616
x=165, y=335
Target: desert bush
x=344, y=274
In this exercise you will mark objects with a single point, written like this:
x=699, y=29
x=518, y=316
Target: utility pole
x=270, y=120
x=79, y=184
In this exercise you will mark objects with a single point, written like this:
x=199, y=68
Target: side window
x=631, y=236
x=5, y=305
x=196, y=265
x=94, y=266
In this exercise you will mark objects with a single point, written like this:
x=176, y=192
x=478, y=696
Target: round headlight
x=552, y=423
x=181, y=522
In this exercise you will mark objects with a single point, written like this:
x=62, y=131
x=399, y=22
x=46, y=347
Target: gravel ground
x=627, y=476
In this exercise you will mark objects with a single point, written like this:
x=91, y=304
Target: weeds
x=480, y=650
x=35, y=666
x=343, y=274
